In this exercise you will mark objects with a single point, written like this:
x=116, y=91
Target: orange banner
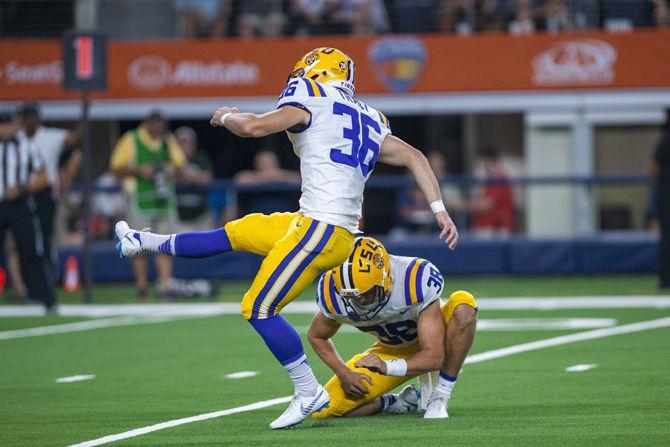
x=32, y=69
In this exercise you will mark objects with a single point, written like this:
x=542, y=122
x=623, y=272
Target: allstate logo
x=149, y=73
x=398, y=61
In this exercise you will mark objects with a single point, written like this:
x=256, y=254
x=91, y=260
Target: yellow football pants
x=297, y=250
x=340, y=404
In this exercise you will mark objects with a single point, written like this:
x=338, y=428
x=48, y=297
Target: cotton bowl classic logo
x=398, y=61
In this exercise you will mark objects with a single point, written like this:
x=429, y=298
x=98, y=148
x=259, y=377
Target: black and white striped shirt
x=19, y=161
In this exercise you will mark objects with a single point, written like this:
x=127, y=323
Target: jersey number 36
x=359, y=135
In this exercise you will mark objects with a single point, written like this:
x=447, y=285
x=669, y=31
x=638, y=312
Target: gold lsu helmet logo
x=311, y=58
x=378, y=261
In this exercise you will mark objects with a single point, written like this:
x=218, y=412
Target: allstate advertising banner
x=32, y=69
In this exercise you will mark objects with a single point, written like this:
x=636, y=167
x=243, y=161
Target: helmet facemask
x=364, y=306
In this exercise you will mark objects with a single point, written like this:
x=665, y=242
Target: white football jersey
x=416, y=284
x=338, y=150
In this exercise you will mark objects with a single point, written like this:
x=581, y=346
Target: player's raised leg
x=254, y=233
x=460, y=315
x=308, y=248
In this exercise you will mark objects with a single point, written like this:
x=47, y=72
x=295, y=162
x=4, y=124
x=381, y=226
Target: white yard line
x=309, y=307
x=570, y=338
x=241, y=375
x=86, y=325
x=77, y=378
x=580, y=367
x=476, y=358
x=188, y=420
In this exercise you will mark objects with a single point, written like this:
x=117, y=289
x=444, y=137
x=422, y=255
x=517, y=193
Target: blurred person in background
x=260, y=18
x=555, y=16
x=62, y=160
x=203, y=18
x=453, y=195
x=492, y=209
x=413, y=204
x=367, y=17
x=267, y=169
x=415, y=16
x=314, y=17
x=192, y=205
x=469, y=16
x=150, y=159
x=660, y=174
x=107, y=205
x=524, y=19
x=22, y=174
x=626, y=14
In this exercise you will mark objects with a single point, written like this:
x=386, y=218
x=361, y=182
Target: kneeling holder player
x=397, y=299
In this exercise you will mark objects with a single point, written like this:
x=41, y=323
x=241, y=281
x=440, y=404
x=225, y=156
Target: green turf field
x=152, y=373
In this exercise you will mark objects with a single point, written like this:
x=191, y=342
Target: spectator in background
x=469, y=16
x=660, y=174
x=203, y=18
x=22, y=174
x=260, y=18
x=150, y=159
x=62, y=160
x=192, y=205
x=555, y=16
x=661, y=13
x=413, y=204
x=267, y=169
x=108, y=206
x=453, y=195
x=312, y=17
x=623, y=15
x=524, y=20
x=414, y=16
x=493, y=209
x=367, y=17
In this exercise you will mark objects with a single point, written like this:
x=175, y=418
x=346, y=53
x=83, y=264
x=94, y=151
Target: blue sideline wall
x=613, y=253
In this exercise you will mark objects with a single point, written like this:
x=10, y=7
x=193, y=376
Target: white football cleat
x=437, y=406
x=130, y=243
x=300, y=408
x=407, y=401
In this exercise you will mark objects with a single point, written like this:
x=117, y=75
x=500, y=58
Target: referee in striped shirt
x=22, y=173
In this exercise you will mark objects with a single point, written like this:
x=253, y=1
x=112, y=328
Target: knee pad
x=457, y=298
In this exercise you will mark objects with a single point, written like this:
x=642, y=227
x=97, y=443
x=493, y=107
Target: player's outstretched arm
x=396, y=152
x=256, y=126
x=319, y=335
x=429, y=358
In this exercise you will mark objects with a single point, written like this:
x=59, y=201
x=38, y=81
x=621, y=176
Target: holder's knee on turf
x=456, y=299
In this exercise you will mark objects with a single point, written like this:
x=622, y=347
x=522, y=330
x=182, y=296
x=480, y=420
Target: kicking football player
x=338, y=139
x=397, y=299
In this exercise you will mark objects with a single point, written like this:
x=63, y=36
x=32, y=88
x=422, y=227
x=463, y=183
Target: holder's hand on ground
x=216, y=118
x=352, y=383
x=449, y=232
x=373, y=363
